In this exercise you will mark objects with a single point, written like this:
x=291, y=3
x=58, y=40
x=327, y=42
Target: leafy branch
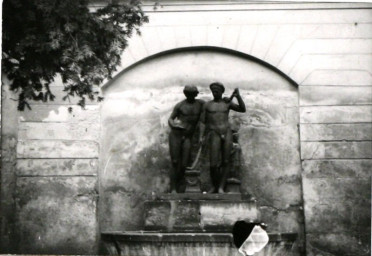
x=46, y=38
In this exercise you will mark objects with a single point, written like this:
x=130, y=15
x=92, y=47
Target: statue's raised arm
x=241, y=106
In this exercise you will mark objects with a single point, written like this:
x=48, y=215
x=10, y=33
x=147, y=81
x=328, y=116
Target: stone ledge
x=199, y=196
x=148, y=236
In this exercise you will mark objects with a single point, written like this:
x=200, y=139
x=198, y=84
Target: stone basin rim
x=152, y=236
x=204, y=197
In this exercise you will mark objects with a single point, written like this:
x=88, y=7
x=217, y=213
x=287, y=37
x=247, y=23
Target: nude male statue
x=183, y=121
x=215, y=120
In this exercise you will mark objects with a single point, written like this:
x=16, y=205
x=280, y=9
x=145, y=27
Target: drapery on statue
x=183, y=121
x=214, y=120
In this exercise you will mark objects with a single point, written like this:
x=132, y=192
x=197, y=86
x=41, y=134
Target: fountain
x=194, y=222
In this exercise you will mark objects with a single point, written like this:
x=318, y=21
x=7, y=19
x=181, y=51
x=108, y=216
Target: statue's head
x=190, y=91
x=217, y=89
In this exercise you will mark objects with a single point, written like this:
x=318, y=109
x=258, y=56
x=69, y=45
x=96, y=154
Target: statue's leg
x=175, y=144
x=215, y=147
x=226, y=153
x=186, y=148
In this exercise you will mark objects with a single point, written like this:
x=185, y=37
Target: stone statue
x=183, y=121
x=214, y=120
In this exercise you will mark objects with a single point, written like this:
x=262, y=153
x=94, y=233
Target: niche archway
x=134, y=160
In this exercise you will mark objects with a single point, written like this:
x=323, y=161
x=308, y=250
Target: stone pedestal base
x=142, y=243
x=192, y=178
x=202, y=213
x=233, y=186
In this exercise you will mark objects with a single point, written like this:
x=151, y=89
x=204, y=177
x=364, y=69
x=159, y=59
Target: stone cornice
x=206, y=5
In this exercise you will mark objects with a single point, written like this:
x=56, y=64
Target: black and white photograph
x=186, y=128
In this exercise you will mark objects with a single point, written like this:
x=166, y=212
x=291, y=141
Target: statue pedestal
x=192, y=178
x=193, y=224
x=198, y=212
x=233, y=185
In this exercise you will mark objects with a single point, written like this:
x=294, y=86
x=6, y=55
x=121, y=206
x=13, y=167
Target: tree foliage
x=43, y=38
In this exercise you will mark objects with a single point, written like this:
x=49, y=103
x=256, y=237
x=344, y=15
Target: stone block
x=141, y=49
x=309, y=46
x=334, y=77
x=58, y=131
x=336, y=114
x=320, y=244
x=148, y=34
x=320, y=132
x=56, y=167
x=245, y=41
x=157, y=215
x=288, y=35
x=263, y=40
x=180, y=37
x=324, y=190
x=223, y=215
x=199, y=35
x=340, y=30
x=340, y=168
x=310, y=62
x=215, y=34
x=335, y=95
x=338, y=216
x=337, y=205
x=57, y=215
x=57, y=149
x=170, y=39
x=186, y=215
x=60, y=113
x=324, y=150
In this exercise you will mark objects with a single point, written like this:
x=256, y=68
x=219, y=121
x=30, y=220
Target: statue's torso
x=217, y=116
x=189, y=114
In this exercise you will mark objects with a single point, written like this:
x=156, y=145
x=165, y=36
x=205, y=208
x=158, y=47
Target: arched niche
x=134, y=160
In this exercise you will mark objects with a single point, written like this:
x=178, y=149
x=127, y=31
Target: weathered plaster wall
x=134, y=150
x=326, y=48
x=9, y=135
x=57, y=186
x=49, y=177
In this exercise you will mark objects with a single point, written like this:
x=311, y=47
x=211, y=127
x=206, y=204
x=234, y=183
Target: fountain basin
x=145, y=243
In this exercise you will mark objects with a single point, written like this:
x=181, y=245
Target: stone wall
x=49, y=177
x=325, y=48
x=9, y=135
